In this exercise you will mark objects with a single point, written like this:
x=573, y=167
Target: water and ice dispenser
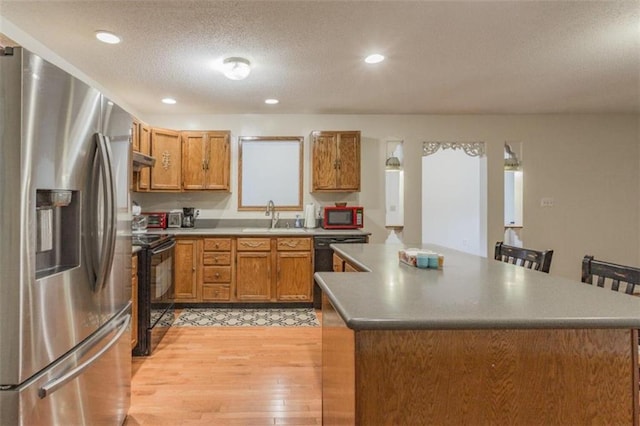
x=57, y=231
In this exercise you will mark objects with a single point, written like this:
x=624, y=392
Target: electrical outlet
x=546, y=202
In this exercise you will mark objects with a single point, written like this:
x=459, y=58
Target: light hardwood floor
x=230, y=376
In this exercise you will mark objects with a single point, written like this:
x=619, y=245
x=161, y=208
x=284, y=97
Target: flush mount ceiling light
x=107, y=37
x=271, y=101
x=374, y=58
x=236, y=68
x=169, y=101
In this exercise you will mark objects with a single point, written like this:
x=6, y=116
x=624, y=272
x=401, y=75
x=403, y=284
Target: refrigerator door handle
x=103, y=157
x=55, y=384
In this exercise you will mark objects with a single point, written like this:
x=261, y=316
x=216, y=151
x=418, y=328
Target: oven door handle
x=162, y=249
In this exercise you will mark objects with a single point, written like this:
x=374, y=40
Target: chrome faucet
x=271, y=210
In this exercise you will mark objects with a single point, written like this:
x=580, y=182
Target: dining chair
x=528, y=258
x=610, y=275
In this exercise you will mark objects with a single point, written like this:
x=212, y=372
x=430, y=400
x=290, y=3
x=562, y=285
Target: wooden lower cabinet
x=342, y=265
x=294, y=261
x=278, y=269
x=338, y=263
x=274, y=269
x=253, y=269
x=243, y=269
x=134, y=300
x=350, y=268
x=186, y=258
x=294, y=276
x=253, y=276
x=217, y=274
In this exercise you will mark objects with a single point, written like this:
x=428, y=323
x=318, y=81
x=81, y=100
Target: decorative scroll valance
x=472, y=149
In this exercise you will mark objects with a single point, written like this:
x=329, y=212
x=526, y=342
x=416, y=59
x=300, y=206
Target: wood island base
x=506, y=376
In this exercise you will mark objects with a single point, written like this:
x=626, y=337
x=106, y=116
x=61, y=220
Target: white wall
x=452, y=206
x=589, y=165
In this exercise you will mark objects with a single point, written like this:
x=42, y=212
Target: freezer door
x=89, y=386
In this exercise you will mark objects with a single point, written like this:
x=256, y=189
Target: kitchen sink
x=274, y=230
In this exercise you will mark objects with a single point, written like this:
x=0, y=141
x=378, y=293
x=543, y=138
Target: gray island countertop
x=470, y=292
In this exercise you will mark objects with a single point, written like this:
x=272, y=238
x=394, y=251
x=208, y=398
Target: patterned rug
x=219, y=317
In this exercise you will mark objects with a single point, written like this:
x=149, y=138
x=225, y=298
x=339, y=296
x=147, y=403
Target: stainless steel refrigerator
x=65, y=248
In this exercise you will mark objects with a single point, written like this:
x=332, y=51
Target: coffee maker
x=189, y=215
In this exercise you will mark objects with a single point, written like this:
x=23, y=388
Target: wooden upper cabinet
x=206, y=158
x=167, y=171
x=218, y=161
x=349, y=161
x=135, y=135
x=193, y=160
x=144, y=137
x=336, y=161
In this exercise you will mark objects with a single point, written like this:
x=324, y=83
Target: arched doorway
x=454, y=195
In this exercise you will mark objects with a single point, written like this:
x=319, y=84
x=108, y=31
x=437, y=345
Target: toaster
x=175, y=219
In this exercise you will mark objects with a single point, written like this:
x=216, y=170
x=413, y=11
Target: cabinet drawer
x=254, y=244
x=217, y=274
x=299, y=244
x=216, y=292
x=217, y=258
x=217, y=244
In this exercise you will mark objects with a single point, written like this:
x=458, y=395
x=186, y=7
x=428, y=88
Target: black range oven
x=155, y=289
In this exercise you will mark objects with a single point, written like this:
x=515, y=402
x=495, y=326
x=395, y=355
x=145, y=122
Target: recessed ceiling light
x=236, y=68
x=374, y=59
x=107, y=37
x=169, y=101
x=271, y=101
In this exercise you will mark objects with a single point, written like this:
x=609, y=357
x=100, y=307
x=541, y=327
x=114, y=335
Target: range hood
x=141, y=161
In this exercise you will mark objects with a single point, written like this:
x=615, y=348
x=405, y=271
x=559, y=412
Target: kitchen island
x=478, y=342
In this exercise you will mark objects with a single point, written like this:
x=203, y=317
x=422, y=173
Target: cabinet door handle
x=203, y=165
x=217, y=275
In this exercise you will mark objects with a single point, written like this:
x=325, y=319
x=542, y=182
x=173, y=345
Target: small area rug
x=222, y=317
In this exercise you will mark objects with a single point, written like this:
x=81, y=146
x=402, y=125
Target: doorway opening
x=454, y=196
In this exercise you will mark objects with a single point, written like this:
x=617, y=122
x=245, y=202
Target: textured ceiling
x=442, y=57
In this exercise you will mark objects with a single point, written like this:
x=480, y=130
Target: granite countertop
x=470, y=292
x=256, y=231
x=252, y=232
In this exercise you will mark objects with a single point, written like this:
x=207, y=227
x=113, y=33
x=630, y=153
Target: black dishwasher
x=323, y=257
